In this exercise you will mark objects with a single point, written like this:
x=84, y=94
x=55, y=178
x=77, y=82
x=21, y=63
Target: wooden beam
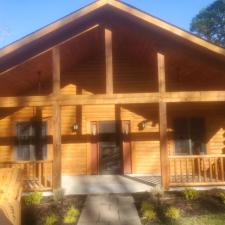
x=25, y=101
x=56, y=131
x=163, y=145
x=108, y=99
x=161, y=73
x=109, y=61
x=103, y=99
x=194, y=96
x=56, y=71
x=163, y=122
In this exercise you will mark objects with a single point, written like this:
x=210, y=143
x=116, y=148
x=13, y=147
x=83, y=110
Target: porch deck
x=102, y=184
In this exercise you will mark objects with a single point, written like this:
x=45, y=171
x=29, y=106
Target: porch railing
x=37, y=174
x=196, y=170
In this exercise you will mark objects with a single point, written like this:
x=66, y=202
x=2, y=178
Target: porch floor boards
x=103, y=184
x=146, y=179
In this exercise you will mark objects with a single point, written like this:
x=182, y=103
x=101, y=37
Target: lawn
x=176, y=208
x=210, y=219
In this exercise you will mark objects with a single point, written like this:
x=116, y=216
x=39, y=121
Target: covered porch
x=115, y=79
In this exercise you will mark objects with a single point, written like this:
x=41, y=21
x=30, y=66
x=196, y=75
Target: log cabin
x=110, y=89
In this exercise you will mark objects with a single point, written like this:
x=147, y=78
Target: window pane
x=23, y=140
x=197, y=133
x=181, y=136
x=31, y=140
x=189, y=135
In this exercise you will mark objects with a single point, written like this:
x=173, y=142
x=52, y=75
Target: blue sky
x=21, y=17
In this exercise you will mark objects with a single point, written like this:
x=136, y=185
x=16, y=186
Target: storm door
x=109, y=147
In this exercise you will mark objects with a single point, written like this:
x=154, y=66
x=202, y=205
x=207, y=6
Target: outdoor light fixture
x=94, y=129
x=126, y=128
x=142, y=125
x=75, y=127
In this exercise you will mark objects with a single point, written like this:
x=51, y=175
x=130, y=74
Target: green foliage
x=190, y=194
x=71, y=215
x=51, y=219
x=210, y=23
x=148, y=212
x=172, y=213
x=33, y=198
x=222, y=197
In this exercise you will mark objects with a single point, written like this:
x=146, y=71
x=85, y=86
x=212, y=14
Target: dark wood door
x=109, y=148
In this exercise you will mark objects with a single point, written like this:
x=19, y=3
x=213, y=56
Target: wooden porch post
x=56, y=119
x=109, y=61
x=163, y=122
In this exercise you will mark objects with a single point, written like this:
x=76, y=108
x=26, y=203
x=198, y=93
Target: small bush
x=58, y=194
x=222, y=197
x=190, y=194
x=71, y=215
x=51, y=220
x=172, y=213
x=148, y=212
x=33, y=198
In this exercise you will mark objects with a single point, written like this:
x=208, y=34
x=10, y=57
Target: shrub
x=51, y=219
x=33, y=198
x=71, y=215
x=190, y=194
x=222, y=197
x=58, y=194
x=148, y=212
x=172, y=213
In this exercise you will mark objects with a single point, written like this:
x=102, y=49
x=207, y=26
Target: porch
x=184, y=171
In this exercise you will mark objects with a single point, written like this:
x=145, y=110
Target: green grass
x=210, y=219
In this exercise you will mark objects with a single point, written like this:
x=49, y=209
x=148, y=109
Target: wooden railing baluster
x=197, y=170
x=36, y=176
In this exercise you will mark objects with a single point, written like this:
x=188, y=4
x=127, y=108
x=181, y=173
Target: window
x=31, y=140
x=189, y=135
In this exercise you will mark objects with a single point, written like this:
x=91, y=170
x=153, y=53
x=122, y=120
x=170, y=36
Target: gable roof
x=81, y=13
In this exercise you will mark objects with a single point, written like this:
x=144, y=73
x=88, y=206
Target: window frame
x=45, y=150
x=190, y=137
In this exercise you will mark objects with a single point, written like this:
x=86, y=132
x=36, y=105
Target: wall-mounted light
x=94, y=128
x=142, y=125
x=75, y=127
x=126, y=128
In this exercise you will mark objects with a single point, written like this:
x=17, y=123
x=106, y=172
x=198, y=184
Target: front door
x=109, y=147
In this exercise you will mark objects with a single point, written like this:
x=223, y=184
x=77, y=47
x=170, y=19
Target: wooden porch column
x=163, y=122
x=109, y=61
x=56, y=119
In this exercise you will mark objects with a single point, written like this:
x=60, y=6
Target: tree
x=210, y=23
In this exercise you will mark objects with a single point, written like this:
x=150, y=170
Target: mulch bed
x=36, y=214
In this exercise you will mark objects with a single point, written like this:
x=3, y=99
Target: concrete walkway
x=109, y=210
x=102, y=184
